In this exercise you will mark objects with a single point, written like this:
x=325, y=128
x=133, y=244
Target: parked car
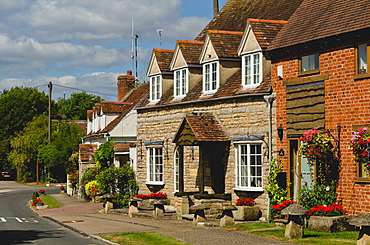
x=8, y=174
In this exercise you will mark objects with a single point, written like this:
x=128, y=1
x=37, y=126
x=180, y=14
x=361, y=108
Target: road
x=18, y=225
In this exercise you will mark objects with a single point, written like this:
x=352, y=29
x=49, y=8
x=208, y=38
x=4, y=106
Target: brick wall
x=347, y=103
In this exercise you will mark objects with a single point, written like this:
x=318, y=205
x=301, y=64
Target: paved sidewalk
x=85, y=218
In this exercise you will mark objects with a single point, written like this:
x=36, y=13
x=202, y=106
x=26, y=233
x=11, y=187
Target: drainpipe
x=269, y=99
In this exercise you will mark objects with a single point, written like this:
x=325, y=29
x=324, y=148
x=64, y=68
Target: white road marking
x=20, y=220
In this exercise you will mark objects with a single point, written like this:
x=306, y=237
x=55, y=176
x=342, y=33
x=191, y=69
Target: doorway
x=299, y=170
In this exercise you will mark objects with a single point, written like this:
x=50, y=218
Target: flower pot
x=330, y=224
x=247, y=213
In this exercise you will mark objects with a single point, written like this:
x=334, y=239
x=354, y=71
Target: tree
x=75, y=107
x=66, y=137
x=104, y=156
x=18, y=106
x=25, y=146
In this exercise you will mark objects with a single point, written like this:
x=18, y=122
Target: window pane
x=158, y=88
x=256, y=68
x=362, y=59
x=214, y=76
x=177, y=83
x=310, y=62
x=183, y=85
x=248, y=71
x=207, y=77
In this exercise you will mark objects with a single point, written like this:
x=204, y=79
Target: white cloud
x=60, y=40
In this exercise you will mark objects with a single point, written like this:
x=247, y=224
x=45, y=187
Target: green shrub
x=119, y=182
x=35, y=195
x=316, y=195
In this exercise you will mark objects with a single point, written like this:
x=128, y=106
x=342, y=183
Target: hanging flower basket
x=360, y=144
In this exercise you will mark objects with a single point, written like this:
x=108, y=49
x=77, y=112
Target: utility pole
x=50, y=86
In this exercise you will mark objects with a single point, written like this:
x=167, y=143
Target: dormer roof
x=315, y=20
x=160, y=61
x=221, y=44
x=186, y=53
x=233, y=15
x=261, y=31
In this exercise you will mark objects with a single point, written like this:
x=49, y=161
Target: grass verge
x=148, y=238
x=50, y=201
x=310, y=237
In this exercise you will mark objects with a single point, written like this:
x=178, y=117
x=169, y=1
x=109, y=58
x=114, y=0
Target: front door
x=299, y=170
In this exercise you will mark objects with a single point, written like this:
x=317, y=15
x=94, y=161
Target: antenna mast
x=160, y=37
x=132, y=43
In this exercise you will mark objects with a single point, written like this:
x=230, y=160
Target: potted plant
x=148, y=200
x=360, y=144
x=332, y=218
x=42, y=192
x=246, y=209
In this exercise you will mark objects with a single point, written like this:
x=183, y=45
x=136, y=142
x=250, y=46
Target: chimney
x=215, y=7
x=125, y=84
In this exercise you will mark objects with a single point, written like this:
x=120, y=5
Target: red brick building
x=321, y=77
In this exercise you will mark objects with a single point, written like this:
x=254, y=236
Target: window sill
x=363, y=180
x=306, y=73
x=154, y=183
x=255, y=189
x=362, y=76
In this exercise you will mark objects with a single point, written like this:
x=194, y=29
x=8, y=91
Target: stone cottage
x=207, y=132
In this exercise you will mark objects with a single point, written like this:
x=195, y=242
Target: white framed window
x=210, y=77
x=309, y=62
x=154, y=165
x=249, y=166
x=252, y=69
x=155, y=87
x=181, y=82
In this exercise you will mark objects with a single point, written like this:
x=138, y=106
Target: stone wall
x=238, y=116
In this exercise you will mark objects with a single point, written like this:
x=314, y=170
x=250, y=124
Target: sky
x=83, y=45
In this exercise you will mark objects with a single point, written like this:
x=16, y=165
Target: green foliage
x=26, y=145
x=66, y=137
x=35, y=195
x=315, y=195
x=276, y=193
x=18, y=106
x=119, y=182
x=75, y=107
x=104, y=155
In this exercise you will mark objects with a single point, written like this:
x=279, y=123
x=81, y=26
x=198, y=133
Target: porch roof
x=200, y=127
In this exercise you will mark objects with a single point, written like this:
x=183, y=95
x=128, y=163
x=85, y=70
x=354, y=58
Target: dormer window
x=155, y=88
x=181, y=82
x=252, y=69
x=210, y=77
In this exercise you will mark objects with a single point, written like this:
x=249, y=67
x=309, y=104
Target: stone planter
x=247, y=213
x=330, y=224
x=148, y=204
